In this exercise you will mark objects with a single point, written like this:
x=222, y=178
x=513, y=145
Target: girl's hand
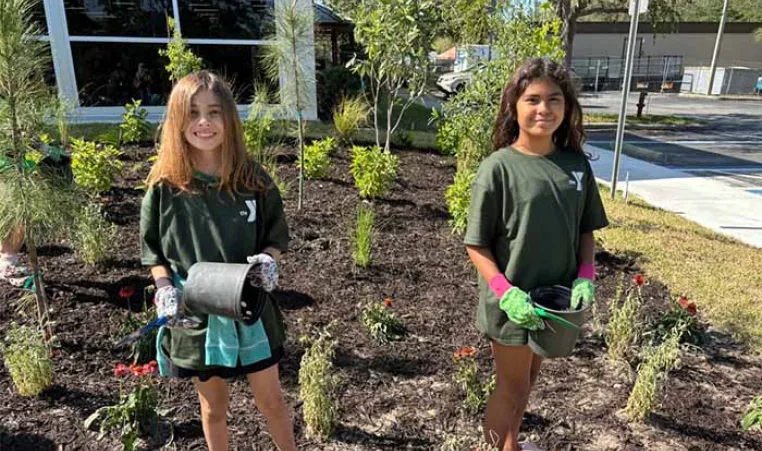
x=517, y=304
x=265, y=271
x=583, y=293
x=167, y=300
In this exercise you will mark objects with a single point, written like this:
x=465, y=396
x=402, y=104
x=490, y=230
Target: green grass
x=652, y=119
x=720, y=274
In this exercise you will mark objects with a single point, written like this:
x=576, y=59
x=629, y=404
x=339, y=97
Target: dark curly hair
x=570, y=135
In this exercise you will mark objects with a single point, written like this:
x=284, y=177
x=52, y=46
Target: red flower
x=639, y=280
x=149, y=369
x=136, y=370
x=126, y=291
x=154, y=363
x=388, y=302
x=688, y=306
x=121, y=370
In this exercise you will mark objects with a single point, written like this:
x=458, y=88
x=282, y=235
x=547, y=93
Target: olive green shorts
x=495, y=325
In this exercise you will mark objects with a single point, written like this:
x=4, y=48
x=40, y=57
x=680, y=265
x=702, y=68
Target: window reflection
x=240, y=65
x=112, y=74
x=226, y=19
x=139, y=18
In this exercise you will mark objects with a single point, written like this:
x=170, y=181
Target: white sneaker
x=529, y=446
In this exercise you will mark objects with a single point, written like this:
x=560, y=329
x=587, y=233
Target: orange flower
x=687, y=305
x=388, y=302
x=467, y=351
x=639, y=280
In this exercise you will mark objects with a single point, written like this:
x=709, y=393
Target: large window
x=226, y=19
x=240, y=65
x=112, y=74
x=137, y=18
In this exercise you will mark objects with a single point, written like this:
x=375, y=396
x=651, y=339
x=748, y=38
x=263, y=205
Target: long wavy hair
x=237, y=171
x=569, y=135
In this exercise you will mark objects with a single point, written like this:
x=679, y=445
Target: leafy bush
x=94, y=235
x=458, y=198
x=94, y=166
x=135, y=127
x=653, y=371
x=135, y=414
x=752, y=419
x=348, y=117
x=333, y=84
x=182, y=61
x=383, y=325
x=317, y=162
x=624, y=323
x=467, y=379
x=316, y=382
x=27, y=359
x=256, y=129
x=362, y=236
x=403, y=139
x=374, y=170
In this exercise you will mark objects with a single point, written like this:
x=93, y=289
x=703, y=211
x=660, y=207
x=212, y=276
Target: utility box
x=727, y=80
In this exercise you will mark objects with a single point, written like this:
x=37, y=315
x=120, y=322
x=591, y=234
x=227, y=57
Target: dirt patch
x=397, y=396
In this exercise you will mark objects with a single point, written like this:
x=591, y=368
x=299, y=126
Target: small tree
x=38, y=202
x=182, y=61
x=292, y=40
x=397, y=36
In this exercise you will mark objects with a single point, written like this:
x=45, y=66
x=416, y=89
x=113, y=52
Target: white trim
x=135, y=40
x=176, y=15
x=58, y=33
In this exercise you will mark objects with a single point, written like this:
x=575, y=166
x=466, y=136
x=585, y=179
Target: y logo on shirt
x=252, y=206
x=577, y=179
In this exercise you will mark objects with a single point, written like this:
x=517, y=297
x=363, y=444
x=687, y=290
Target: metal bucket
x=556, y=340
x=224, y=289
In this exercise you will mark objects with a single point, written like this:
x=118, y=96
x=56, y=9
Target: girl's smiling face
x=540, y=109
x=206, y=130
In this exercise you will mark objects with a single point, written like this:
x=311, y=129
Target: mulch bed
x=394, y=396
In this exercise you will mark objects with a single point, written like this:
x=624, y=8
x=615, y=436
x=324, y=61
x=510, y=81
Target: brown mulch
x=394, y=396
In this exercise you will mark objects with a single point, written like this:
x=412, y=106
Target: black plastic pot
x=556, y=340
x=224, y=289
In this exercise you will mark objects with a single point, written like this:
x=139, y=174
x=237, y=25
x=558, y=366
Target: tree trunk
x=39, y=288
x=568, y=15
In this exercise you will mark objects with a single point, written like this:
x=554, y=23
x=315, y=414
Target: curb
x=641, y=153
x=722, y=97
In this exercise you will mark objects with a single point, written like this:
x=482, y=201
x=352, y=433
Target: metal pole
x=597, y=73
x=717, y=45
x=625, y=93
x=664, y=76
x=489, y=49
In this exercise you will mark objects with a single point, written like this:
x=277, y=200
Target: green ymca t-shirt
x=529, y=211
x=179, y=229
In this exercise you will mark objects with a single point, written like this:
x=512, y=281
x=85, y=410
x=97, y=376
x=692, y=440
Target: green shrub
x=752, y=419
x=135, y=127
x=403, y=139
x=348, y=117
x=653, y=371
x=317, y=162
x=458, y=198
x=182, y=61
x=467, y=378
x=256, y=129
x=94, y=166
x=362, y=236
x=624, y=323
x=333, y=84
x=382, y=324
x=93, y=235
x=316, y=383
x=27, y=359
x=374, y=170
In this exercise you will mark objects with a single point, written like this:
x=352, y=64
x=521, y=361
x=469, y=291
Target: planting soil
x=394, y=396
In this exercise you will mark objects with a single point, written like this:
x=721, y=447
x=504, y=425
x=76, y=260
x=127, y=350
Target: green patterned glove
x=518, y=306
x=583, y=292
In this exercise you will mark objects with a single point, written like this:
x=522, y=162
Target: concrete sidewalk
x=711, y=203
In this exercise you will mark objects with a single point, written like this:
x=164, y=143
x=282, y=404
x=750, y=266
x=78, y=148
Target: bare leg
x=268, y=396
x=505, y=407
x=215, y=398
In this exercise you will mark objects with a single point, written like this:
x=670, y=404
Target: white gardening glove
x=266, y=271
x=167, y=300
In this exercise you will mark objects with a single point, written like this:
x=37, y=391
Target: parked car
x=453, y=82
